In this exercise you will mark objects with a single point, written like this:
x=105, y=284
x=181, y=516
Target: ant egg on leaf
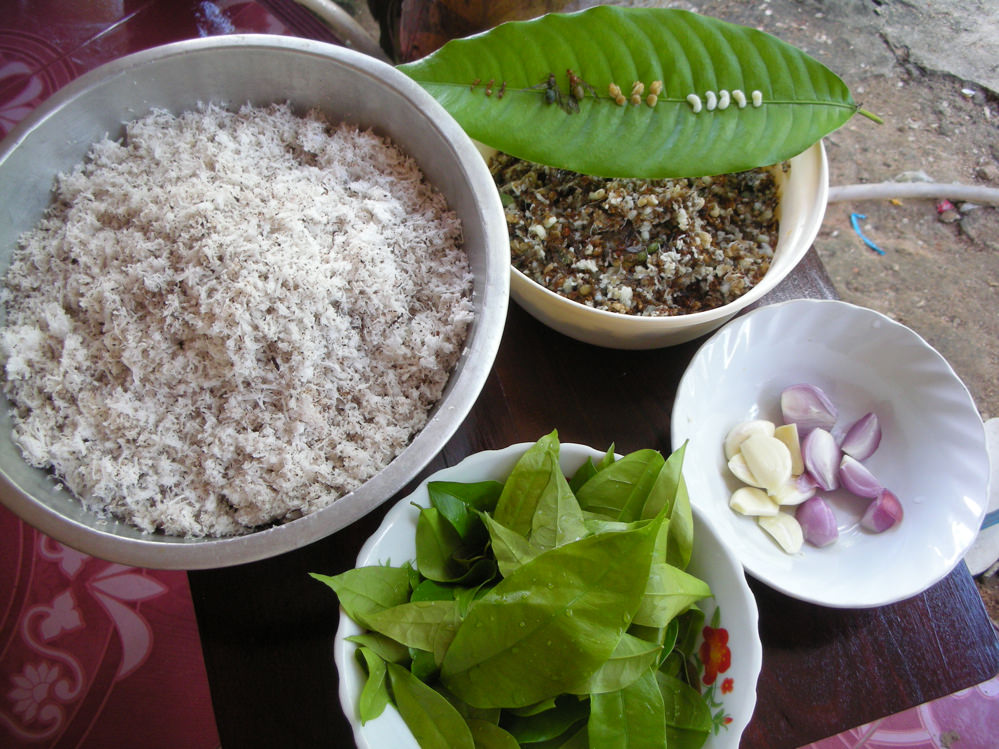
x=695, y=102
x=614, y=90
x=651, y=100
x=656, y=88
x=636, y=99
x=711, y=101
x=723, y=99
x=757, y=98
x=739, y=98
x=620, y=100
x=637, y=88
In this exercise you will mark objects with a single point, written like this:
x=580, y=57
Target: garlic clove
x=737, y=465
x=785, y=530
x=768, y=459
x=788, y=434
x=749, y=500
x=796, y=490
x=742, y=431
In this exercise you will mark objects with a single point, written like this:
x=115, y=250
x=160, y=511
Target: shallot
x=821, y=456
x=808, y=407
x=857, y=478
x=882, y=513
x=863, y=437
x=817, y=521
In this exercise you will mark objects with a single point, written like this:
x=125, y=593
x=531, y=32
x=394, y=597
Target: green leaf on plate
x=490, y=736
x=631, y=658
x=670, y=491
x=458, y=502
x=533, y=475
x=552, y=622
x=434, y=721
x=670, y=590
x=688, y=718
x=511, y=548
x=510, y=88
x=616, y=489
x=367, y=590
x=385, y=647
x=545, y=725
x=425, y=625
x=374, y=694
x=630, y=718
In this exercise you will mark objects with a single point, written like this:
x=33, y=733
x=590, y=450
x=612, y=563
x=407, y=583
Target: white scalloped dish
x=393, y=543
x=932, y=453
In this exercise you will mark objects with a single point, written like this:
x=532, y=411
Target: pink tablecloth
x=96, y=654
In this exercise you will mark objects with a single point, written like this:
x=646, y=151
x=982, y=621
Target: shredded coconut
x=228, y=320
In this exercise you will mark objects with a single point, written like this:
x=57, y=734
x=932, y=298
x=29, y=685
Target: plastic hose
x=887, y=190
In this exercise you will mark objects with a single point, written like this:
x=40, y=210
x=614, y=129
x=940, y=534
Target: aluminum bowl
x=804, y=194
x=260, y=69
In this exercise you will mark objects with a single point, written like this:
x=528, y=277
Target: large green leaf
x=434, y=722
x=551, y=623
x=510, y=88
x=630, y=718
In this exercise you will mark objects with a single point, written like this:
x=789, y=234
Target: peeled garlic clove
x=737, y=465
x=742, y=431
x=863, y=437
x=808, y=407
x=785, y=530
x=768, y=459
x=749, y=500
x=822, y=455
x=788, y=434
x=796, y=490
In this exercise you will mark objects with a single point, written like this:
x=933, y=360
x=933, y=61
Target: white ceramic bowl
x=804, y=192
x=932, y=453
x=259, y=69
x=393, y=543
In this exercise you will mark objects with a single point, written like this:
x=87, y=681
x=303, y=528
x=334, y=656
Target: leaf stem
x=870, y=115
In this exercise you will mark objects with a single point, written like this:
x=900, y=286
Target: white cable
x=887, y=190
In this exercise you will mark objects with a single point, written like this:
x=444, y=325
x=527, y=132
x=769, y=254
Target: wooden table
x=267, y=628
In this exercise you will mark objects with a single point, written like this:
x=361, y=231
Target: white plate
x=393, y=543
x=932, y=453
